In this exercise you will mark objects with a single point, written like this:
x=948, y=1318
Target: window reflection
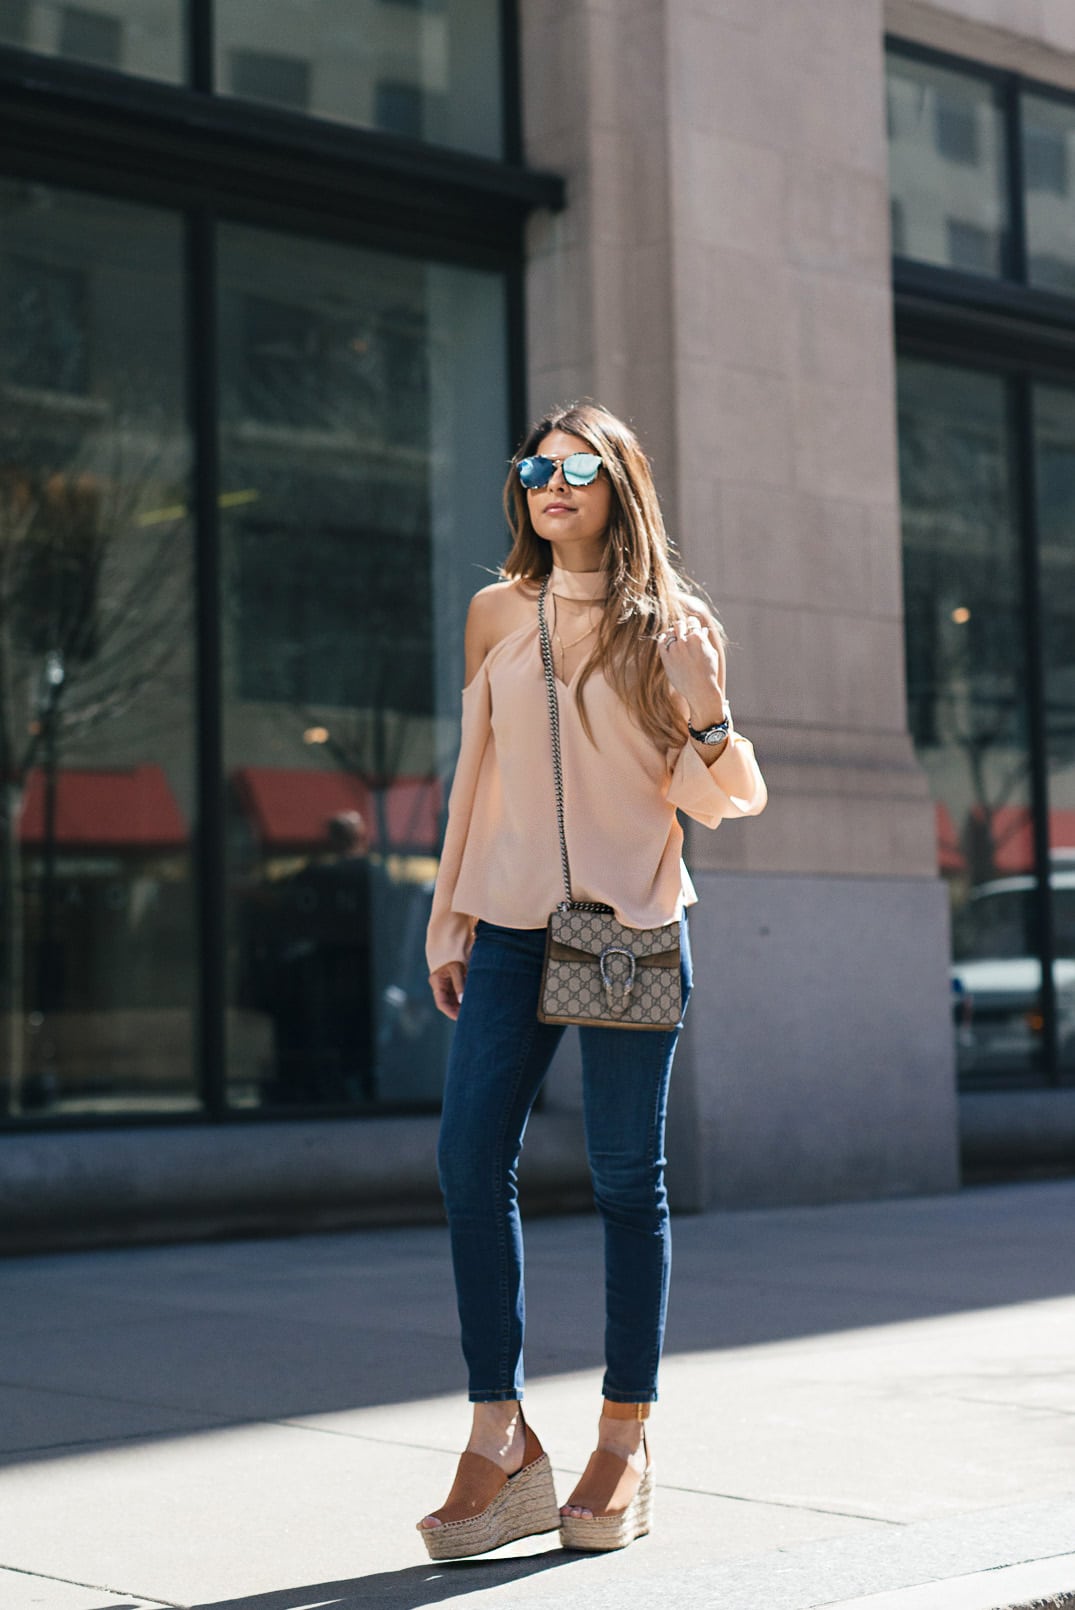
x=96, y=949
x=146, y=37
x=970, y=248
x=91, y=36
x=957, y=131
x=262, y=75
x=967, y=704
x=429, y=69
x=1054, y=413
x=1049, y=160
x=947, y=174
x=362, y=433
x=48, y=325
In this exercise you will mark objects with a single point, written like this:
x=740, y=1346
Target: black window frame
x=1004, y=325
x=217, y=159
x=1011, y=290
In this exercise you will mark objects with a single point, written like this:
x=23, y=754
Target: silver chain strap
x=557, y=766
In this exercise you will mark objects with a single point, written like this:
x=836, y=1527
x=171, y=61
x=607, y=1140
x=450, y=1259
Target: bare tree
x=94, y=604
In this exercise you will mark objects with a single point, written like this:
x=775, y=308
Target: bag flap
x=586, y=933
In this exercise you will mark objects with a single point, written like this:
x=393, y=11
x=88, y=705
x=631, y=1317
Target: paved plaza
x=868, y=1405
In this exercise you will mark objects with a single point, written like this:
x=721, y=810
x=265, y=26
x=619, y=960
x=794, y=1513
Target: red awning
x=950, y=857
x=127, y=808
x=290, y=808
x=1010, y=837
x=1062, y=830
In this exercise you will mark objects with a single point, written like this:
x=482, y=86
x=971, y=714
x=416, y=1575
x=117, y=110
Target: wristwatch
x=715, y=734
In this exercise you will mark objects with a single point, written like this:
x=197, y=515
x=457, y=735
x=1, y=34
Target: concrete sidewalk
x=868, y=1405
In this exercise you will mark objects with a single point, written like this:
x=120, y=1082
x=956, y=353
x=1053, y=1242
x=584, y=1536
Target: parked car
x=996, y=978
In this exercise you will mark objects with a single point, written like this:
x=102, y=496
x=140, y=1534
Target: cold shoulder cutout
x=501, y=858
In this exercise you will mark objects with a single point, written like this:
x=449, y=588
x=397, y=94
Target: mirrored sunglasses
x=580, y=469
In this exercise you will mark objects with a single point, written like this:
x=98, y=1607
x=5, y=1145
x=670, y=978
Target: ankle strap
x=625, y=1411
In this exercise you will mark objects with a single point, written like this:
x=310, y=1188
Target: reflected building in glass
x=97, y=697
x=281, y=283
x=345, y=425
x=986, y=461
x=234, y=437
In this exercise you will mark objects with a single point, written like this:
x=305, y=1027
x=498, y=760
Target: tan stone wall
x=721, y=275
x=599, y=297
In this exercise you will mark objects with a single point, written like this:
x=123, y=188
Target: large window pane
x=1049, y=178
x=946, y=167
x=363, y=449
x=967, y=704
x=425, y=68
x=96, y=948
x=146, y=37
x=1055, y=464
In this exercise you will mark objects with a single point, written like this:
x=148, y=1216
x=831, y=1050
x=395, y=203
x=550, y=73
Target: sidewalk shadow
x=411, y=1588
x=137, y=1346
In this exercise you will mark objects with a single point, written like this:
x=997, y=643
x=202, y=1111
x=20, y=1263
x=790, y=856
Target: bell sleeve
x=732, y=786
x=449, y=934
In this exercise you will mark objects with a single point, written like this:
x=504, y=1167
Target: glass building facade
x=983, y=228
x=423, y=68
x=259, y=367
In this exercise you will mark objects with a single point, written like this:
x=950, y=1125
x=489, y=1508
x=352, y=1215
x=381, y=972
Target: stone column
x=721, y=276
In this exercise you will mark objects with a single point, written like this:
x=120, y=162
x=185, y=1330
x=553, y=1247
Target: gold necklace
x=573, y=644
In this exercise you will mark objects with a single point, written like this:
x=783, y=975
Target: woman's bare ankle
x=620, y=1435
x=498, y=1433
x=627, y=1439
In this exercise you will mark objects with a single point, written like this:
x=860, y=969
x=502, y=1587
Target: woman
x=645, y=729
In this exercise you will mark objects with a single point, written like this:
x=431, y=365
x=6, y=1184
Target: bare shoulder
x=495, y=611
x=499, y=608
x=489, y=601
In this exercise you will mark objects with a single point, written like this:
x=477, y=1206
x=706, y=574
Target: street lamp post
x=48, y=703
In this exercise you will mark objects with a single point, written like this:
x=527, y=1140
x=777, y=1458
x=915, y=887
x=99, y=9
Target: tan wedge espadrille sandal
x=487, y=1508
x=620, y=1501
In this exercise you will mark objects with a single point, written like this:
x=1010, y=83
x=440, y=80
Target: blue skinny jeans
x=499, y=1057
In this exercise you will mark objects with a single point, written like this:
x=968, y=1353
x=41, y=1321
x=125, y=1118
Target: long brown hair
x=646, y=590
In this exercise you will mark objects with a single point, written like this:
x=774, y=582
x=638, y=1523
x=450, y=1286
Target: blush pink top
x=501, y=856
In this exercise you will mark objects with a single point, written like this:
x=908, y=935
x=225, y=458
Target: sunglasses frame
x=562, y=463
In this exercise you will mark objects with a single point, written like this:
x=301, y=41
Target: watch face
x=710, y=735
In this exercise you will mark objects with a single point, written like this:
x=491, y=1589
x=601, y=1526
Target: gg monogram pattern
x=572, y=990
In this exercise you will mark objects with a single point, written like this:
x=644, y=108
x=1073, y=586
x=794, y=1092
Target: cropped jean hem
x=511, y=1396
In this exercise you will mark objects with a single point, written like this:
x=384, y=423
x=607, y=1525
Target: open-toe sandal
x=619, y=1498
x=487, y=1508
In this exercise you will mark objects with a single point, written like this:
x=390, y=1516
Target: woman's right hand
x=446, y=982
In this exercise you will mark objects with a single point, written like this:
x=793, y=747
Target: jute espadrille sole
x=524, y=1506
x=603, y=1532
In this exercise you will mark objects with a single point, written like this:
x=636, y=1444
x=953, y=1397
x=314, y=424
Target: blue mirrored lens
x=535, y=471
x=581, y=468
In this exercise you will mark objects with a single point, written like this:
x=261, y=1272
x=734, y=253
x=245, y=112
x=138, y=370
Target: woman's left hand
x=692, y=664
